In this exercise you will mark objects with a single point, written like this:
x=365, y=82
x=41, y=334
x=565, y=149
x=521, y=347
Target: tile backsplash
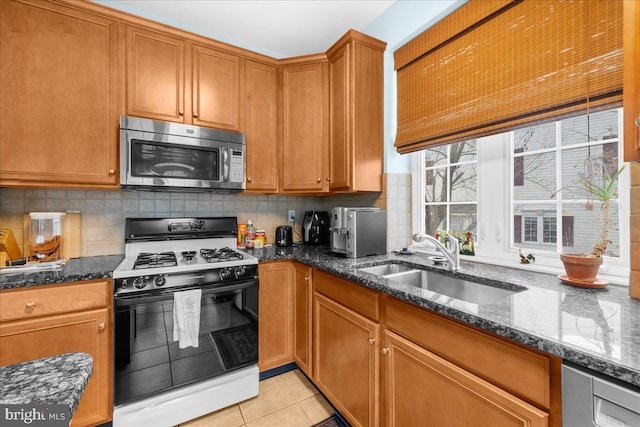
x=104, y=212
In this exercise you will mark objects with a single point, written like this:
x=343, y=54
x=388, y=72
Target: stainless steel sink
x=386, y=269
x=453, y=287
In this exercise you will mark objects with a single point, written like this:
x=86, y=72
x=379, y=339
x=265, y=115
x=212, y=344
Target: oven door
x=148, y=361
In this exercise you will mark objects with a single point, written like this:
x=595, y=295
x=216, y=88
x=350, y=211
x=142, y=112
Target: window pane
x=436, y=156
x=464, y=181
x=465, y=151
x=435, y=188
x=539, y=177
x=549, y=230
x=534, y=138
x=579, y=168
x=463, y=218
x=435, y=219
x=531, y=219
x=603, y=125
x=587, y=225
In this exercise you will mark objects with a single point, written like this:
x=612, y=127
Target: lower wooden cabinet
x=35, y=336
x=275, y=311
x=302, y=307
x=423, y=389
x=346, y=362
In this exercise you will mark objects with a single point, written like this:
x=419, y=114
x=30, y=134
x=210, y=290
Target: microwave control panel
x=236, y=166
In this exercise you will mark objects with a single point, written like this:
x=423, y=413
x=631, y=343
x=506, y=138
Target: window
x=450, y=187
x=523, y=190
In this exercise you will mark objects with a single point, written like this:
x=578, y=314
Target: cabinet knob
x=248, y=179
x=112, y=171
x=195, y=114
x=318, y=179
x=638, y=121
x=385, y=350
x=306, y=278
x=328, y=179
x=181, y=113
x=372, y=341
x=101, y=326
x=30, y=304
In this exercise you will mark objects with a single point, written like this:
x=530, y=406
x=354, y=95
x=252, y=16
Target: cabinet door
x=631, y=84
x=341, y=156
x=275, y=300
x=305, y=140
x=217, y=89
x=302, y=295
x=422, y=389
x=155, y=76
x=261, y=125
x=345, y=362
x=87, y=331
x=59, y=105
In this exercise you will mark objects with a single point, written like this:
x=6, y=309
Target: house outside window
x=522, y=190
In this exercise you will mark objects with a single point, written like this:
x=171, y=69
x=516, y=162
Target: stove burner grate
x=155, y=260
x=221, y=254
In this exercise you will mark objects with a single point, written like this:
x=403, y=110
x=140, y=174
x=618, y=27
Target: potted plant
x=582, y=269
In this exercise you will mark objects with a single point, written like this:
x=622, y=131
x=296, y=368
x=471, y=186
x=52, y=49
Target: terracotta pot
x=581, y=267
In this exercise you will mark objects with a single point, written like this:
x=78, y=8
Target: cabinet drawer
x=361, y=300
x=52, y=299
x=513, y=368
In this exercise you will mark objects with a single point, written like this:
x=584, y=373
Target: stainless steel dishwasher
x=588, y=399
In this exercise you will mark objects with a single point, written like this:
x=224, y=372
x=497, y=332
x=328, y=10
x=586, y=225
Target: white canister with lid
x=45, y=235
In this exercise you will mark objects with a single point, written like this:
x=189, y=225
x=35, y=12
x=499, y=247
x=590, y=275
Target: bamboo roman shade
x=496, y=65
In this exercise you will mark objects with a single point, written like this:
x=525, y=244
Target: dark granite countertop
x=50, y=380
x=597, y=329
x=76, y=269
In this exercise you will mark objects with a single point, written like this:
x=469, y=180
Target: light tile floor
x=286, y=400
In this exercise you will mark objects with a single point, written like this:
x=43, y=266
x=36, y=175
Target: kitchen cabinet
x=346, y=348
x=59, y=109
x=356, y=110
x=303, y=296
x=169, y=78
x=261, y=82
x=487, y=377
x=425, y=389
x=304, y=164
x=275, y=310
x=631, y=82
x=48, y=320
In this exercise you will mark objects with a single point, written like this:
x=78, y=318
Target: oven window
x=152, y=159
x=148, y=361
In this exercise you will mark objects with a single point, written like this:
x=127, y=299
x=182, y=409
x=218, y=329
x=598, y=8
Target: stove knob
x=239, y=271
x=159, y=281
x=225, y=273
x=124, y=284
x=139, y=283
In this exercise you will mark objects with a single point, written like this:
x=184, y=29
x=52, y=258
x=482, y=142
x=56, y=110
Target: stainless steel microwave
x=164, y=156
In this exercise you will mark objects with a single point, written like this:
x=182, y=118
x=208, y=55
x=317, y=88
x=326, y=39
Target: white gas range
x=157, y=382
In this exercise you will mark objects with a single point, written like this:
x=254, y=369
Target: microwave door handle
x=225, y=164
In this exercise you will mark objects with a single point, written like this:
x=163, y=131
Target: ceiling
x=278, y=28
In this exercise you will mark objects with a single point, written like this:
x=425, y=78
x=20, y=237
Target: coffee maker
x=358, y=232
x=315, y=228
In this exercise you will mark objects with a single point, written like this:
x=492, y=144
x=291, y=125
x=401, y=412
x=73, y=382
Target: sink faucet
x=452, y=255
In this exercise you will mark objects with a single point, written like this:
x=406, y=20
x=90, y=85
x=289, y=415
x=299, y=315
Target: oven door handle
x=126, y=300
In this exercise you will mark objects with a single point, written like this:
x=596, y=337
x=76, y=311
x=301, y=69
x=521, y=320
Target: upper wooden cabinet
x=261, y=82
x=61, y=69
x=171, y=79
x=304, y=165
x=357, y=112
x=631, y=83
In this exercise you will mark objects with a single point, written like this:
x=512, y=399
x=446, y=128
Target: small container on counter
x=45, y=235
x=251, y=235
x=262, y=236
x=242, y=233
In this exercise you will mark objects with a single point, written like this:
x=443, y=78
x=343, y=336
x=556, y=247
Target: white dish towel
x=186, y=317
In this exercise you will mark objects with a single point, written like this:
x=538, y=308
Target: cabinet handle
x=101, y=326
x=318, y=179
x=248, y=179
x=112, y=171
x=195, y=114
x=30, y=304
x=371, y=341
x=385, y=350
